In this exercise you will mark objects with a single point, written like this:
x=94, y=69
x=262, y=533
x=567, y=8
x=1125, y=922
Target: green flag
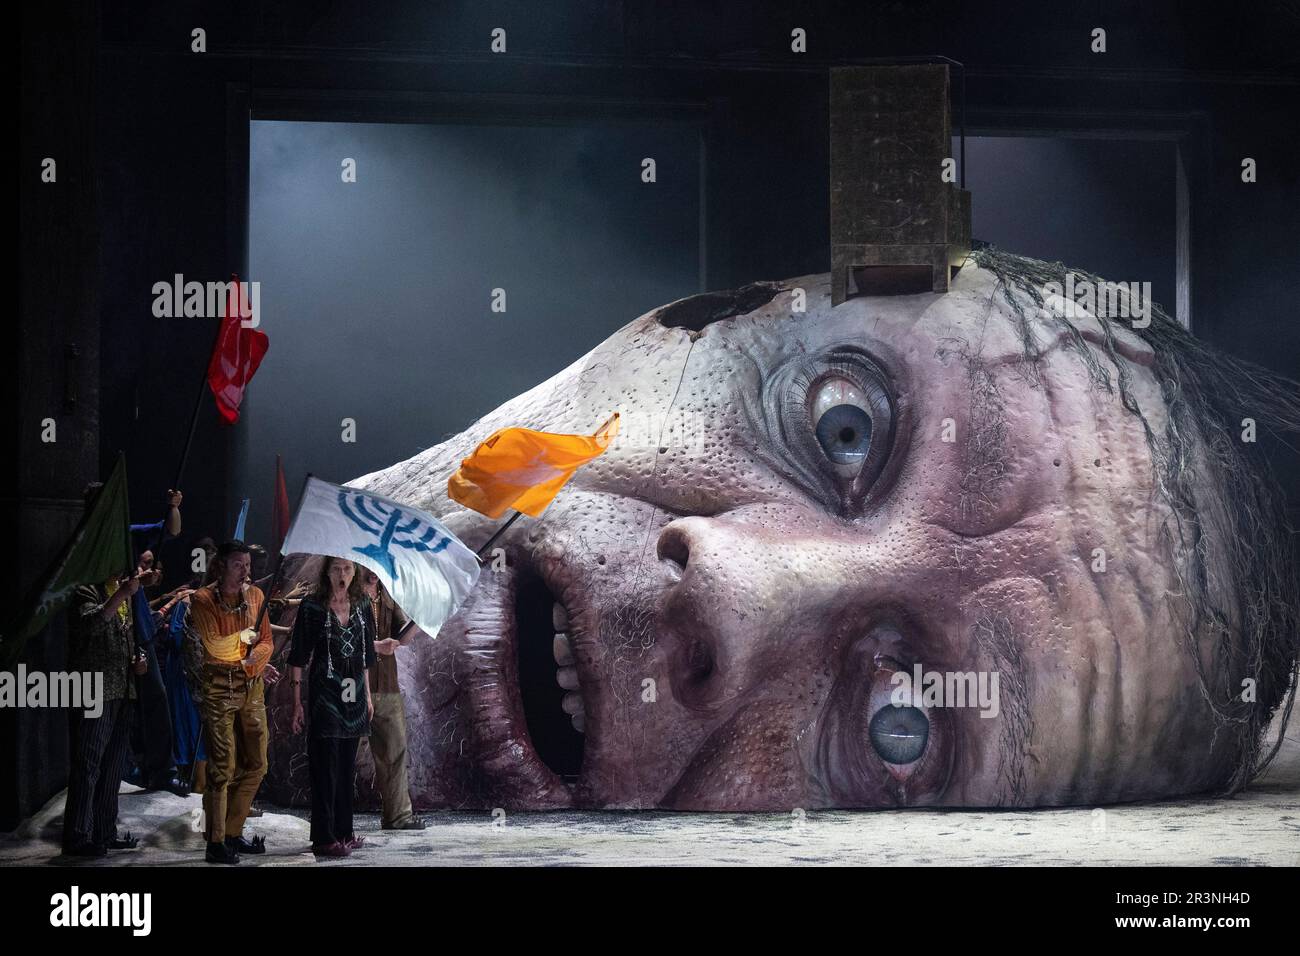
x=99, y=550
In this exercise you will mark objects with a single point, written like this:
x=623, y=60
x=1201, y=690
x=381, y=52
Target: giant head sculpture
x=1046, y=513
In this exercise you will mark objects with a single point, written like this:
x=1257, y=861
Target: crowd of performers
x=185, y=676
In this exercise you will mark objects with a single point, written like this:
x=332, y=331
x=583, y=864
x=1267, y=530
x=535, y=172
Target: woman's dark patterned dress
x=338, y=654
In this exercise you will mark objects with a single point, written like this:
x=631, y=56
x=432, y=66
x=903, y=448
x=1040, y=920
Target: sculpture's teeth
x=566, y=675
x=562, y=650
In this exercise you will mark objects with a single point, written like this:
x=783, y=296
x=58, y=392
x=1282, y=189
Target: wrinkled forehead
x=917, y=335
x=906, y=324
x=713, y=386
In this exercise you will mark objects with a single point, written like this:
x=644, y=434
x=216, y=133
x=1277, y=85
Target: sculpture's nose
x=731, y=607
x=735, y=625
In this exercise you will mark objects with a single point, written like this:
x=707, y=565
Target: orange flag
x=522, y=469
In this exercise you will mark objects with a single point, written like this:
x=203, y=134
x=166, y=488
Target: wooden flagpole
x=279, y=561
x=194, y=419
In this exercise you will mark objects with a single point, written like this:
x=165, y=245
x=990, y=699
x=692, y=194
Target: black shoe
x=410, y=823
x=220, y=853
x=86, y=849
x=127, y=842
x=240, y=845
x=172, y=784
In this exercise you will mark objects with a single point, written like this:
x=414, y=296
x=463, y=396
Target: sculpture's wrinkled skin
x=737, y=599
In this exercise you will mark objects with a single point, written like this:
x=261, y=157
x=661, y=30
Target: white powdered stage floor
x=1261, y=826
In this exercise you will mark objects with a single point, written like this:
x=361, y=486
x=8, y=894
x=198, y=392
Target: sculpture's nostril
x=673, y=547
x=699, y=661
x=694, y=670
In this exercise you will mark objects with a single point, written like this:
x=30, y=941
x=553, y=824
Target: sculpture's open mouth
x=529, y=709
x=548, y=686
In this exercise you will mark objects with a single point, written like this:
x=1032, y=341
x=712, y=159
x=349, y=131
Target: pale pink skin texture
x=763, y=596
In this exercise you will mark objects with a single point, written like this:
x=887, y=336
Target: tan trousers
x=235, y=731
x=388, y=747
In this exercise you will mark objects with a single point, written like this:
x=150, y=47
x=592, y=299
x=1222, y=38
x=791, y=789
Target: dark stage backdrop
x=377, y=294
x=1104, y=205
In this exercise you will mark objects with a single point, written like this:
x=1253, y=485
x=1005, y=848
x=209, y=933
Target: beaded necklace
x=221, y=600
x=242, y=607
x=345, y=637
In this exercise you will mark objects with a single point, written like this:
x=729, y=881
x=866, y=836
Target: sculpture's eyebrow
x=984, y=476
x=984, y=461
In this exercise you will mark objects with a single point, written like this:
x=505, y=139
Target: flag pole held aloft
x=482, y=552
x=236, y=354
x=279, y=557
x=279, y=508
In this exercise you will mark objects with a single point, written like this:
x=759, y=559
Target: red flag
x=235, y=359
x=280, y=508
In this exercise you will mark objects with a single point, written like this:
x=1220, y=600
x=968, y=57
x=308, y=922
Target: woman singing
x=334, y=633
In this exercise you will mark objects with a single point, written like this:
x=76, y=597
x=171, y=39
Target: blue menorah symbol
x=387, y=522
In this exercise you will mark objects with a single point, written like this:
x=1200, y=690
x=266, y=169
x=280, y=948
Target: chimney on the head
x=897, y=226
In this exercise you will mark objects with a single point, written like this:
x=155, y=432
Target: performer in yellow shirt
x=232, y=704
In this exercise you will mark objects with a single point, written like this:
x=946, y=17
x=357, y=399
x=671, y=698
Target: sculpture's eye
x=834, y=413
x=877, y=743
x=843, y=421
x=851, y=418
x=899, y=734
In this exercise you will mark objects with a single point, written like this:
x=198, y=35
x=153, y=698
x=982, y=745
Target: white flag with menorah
x=426, y=568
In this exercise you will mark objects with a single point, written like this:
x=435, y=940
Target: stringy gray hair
x=1253, y=622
